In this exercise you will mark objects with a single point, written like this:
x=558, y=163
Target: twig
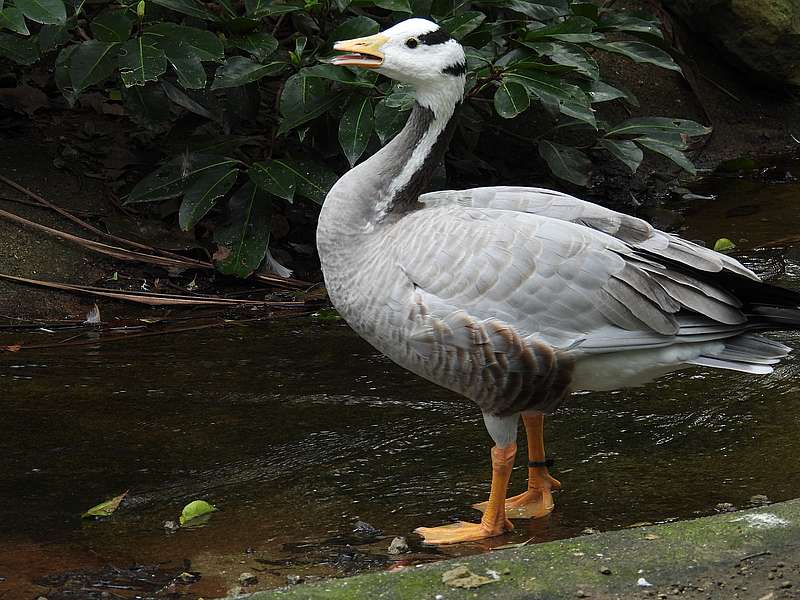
x=756, y=555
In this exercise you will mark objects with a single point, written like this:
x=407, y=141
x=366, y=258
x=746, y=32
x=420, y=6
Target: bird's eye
x=412, y=42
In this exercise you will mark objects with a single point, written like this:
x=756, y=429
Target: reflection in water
x=296, y=430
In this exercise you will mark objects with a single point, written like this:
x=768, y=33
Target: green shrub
x=230, y=62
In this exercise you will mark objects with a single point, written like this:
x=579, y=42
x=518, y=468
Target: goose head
x=415, y=51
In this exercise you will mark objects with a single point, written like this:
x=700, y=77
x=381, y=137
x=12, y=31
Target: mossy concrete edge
x=664, y=555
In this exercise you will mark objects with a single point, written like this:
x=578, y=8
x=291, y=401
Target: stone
x=247, y=578
x=399, y=545
x=292, y=579
x=605, y=571
x=763, y=37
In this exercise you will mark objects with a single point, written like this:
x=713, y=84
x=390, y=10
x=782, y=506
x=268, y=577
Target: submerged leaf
x=723, y=245
x=194, y=509
x=105, y=509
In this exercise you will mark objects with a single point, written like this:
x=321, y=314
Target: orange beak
x=364, y=52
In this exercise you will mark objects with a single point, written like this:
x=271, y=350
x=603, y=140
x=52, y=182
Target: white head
x=415, y=51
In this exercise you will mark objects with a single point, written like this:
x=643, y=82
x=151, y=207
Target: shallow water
x=297, y=429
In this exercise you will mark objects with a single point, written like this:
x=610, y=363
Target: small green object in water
x=724, y=245
x=195, y=509
x=105, y=509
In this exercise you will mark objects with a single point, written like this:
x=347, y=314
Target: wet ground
x=297, y=429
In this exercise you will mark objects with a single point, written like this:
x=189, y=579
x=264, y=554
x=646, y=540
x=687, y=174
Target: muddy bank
x=745, y=555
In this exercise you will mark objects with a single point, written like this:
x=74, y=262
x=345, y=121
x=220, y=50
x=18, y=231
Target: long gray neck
x=390, y=182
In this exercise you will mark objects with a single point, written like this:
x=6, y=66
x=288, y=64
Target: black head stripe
x=437, y=36
x=455, y=69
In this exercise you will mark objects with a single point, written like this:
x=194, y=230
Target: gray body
x=513, y=297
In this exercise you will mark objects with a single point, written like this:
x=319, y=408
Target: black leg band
x=548, y=462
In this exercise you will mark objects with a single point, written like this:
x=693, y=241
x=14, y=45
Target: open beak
x=364, y=52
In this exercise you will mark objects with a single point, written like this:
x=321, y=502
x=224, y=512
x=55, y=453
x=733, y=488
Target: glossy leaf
x=203, y=192
x=183, y=100
x=339, y=74
x=52, y=36
x=511, y=99
x=112, y=25
x=11, y=18
x=238, y=70
x=394, y=5
x=541, y=10
x=570, y=55
x=574, y=29
x=186, y=48
x=140, y=62
x=262, y=8
x=245, y=234
x=92, y=62
x=648, y=125
x=312, y=179
x=624, y=150
x=640, y=52
x=107, y=508
x=195, y=509
x=192, y=8
x=566, y=162
x=669, y=151
x=48, y=12
x=723, y=245
x=171, y=179
x=259, y=44
x=355, y=128
x=147, y=105
x=600, y=91
x=619, y=21
x=275, y=177
x=389, y=120
x=304, y=98
x=555, y=94
x=463, y=24
x=354, y=27
x=20, y=50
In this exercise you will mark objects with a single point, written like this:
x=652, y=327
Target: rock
x=292, y=579
x=462, y=577
x=363, y=528
x=763, y=37
x=247, y=579
x=590, y=531
x=186, y=577
x=725, y=507
x=786, y=585
x=399, y=545
x=171, y=527
x=605, y=571
x=759, y=500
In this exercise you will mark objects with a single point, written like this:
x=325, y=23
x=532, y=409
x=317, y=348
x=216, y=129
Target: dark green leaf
x=140, y=62
x=186, y=48
x=356, y=127
x=463, y=24
x=619, y=21
x=261, y=45
x=21, y=50
x=275, y=177
x=147, y=105
x=93, y=61
x=11, y=18
x=340, y=74
x=570, y=55
x=355, y=27
x=304, y=98
x=246, y=233
x=624, y=150
x=62, y=76
x=203, y=192
x=672, y=153
x=640, y=52
x=238, y=70
x=402, y=97
x=394, y=5
x=182, y=99
x=541, y=10
x=585, y=9
x=567, y=163
x=262, y=8
x=555, y=94
x=648, y=125
x=49, y=12
x=171, y=179
x=52, y=36
x=187, y=7
x=312, y=179
x=389, y=120
x=511, y=99
x=575, y=29
x=600, y=91
x=112, y=25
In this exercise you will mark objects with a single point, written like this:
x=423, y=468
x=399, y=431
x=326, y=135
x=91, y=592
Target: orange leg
x=537, y=501
x=494, y=520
